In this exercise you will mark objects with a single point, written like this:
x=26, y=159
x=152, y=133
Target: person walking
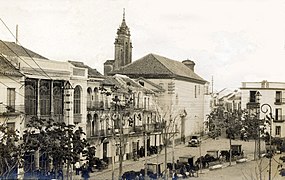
x=85, y=172
x=77, y=168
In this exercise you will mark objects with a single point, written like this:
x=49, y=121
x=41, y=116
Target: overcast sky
x=232, y=40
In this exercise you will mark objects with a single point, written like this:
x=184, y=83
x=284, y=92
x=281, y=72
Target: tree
x=57, y=143
x=8, y=152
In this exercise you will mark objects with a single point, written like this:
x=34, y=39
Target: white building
x=272, y=93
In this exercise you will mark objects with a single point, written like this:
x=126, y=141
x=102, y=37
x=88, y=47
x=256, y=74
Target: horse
x=201, y=161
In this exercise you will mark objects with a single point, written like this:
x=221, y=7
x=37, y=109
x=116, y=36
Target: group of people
x=85, y=170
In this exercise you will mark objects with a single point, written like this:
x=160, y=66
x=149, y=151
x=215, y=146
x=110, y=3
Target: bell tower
x=123, y=46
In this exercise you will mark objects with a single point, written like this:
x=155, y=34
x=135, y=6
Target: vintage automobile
x=194, y=141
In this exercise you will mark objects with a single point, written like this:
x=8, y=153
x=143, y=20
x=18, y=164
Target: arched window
x=122, y=58
x=134, y=100
x=96, y=124
x=57, y=98
x=89, y=97
x=96, y=94
x=30, y=97
x=89, y=129
x=138, y=104
x=77, y=100
x=127, y=53
x=45, y=97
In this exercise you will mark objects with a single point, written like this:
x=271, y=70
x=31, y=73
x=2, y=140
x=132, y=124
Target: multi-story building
x=38, y=87
x=12, y=98
x=255, y=94
x=74, y=93
x=134, y=110
x=182, y=101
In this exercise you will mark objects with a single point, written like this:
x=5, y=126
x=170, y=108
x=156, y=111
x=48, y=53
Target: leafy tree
x=8, y=152
x=61, y=143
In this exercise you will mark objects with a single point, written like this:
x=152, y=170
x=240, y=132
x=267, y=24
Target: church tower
x=123, y=46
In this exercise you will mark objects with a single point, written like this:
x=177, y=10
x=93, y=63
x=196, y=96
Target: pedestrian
x=174, y=176
x=85, y=172
x=77, y=168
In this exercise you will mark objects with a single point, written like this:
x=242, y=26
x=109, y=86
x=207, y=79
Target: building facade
x=271, y=93
x=182, y=101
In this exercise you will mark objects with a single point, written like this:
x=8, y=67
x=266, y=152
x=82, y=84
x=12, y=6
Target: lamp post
x=257, y=98
x=269, y=120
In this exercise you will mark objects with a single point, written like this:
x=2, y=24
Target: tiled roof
x=157, y=88
x=153, y=65
x=13, y=49
x=123, y=83
x=91, y=72
x=7, y=68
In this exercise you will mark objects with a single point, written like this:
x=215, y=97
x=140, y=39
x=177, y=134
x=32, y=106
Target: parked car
x=194, y=141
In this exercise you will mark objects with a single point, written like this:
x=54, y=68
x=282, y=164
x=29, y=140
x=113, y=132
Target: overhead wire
x=24, y=49
x=9, y=87
x=11, y=66
x=21, y=58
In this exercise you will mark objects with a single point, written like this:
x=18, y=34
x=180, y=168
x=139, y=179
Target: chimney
x=190, y=64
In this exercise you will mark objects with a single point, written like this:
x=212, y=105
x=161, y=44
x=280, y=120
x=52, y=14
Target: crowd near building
x=129, y=106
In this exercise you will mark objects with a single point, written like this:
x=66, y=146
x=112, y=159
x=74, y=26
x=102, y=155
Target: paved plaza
x=182, y=150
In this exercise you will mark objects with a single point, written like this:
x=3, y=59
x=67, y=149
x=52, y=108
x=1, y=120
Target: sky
x=231, y=41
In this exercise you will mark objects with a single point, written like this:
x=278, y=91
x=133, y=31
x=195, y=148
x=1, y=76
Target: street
x=247, y=170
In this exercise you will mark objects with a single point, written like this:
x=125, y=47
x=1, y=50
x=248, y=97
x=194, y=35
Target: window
x=138, y=102
x=96, y=92
x=57, y=98
x=11, y=126
x=31, y=97
x=195, y=91
x=278, y=114
x=252, y=96
x=89, y=97
x=11, y=98
x=278, y=97
x=77, y=100
x=45, y=97
x=278, y=130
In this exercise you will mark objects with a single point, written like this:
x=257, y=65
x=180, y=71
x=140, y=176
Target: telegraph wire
x=13, y=67
x=20, y=57
x=24, y=49
x=9, y=87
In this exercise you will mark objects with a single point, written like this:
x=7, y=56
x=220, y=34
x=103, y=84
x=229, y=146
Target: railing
x=12, y=110
x=97, y=105
x=279, y=118
x=77, y=118
x=279, y=101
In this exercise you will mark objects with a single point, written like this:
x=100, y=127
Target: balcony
x=12, y=110
x=253, y=105
x=95, y=106
x=279, y=101
x=77, y=118
x=280, y=118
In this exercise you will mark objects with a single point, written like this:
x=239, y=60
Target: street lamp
x=269, y=121
x=257, y=98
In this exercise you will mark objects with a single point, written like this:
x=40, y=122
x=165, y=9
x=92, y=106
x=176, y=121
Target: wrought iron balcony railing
x=12, y=110
x=279, y=101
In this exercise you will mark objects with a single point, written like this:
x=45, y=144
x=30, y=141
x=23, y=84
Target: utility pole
x=145, y=153
x=121, y=148
x=113, y=159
